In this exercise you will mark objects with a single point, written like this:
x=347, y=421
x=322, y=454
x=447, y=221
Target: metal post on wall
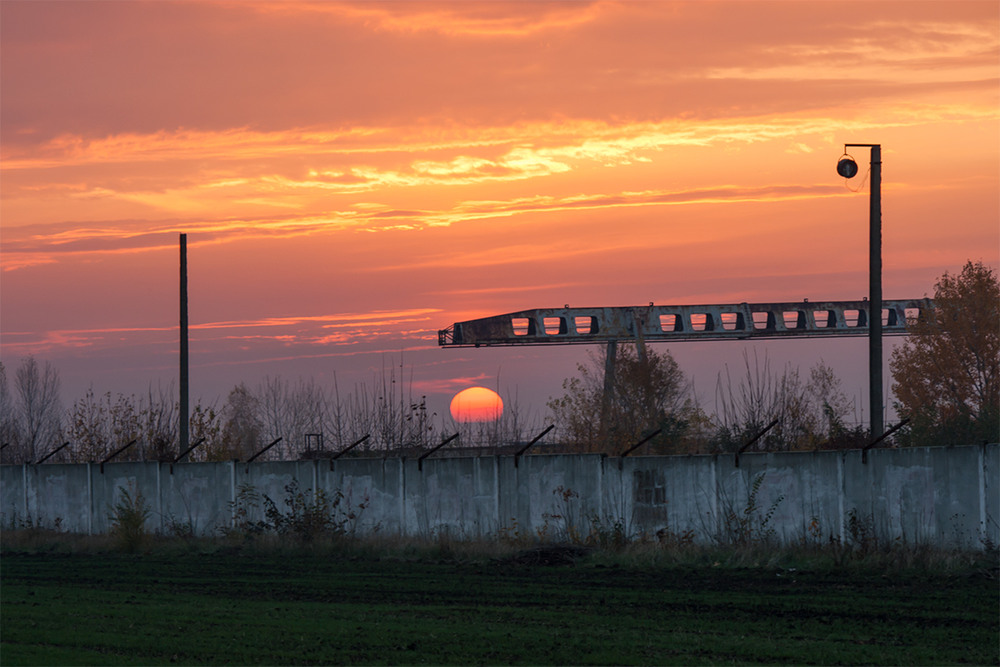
x=184, y=408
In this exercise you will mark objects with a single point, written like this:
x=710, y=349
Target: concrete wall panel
x=107, y=488
x=372, y=491
x=12, y=502
x=195, y=497
x=558, y=495
x=455, y=497
x=57, y=495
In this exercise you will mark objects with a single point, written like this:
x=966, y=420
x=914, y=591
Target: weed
x=307, y=516
x=128, y=518
x=814, y=530
x=17, y=522
x=671, y=539
x=310, y=513
x=748, y=526
x=861, y=538
x=243, y=510
x=511, y=533
x=566, y=527
x=180, y=528
x=609, y=533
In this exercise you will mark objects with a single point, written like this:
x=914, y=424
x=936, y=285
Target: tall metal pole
x=184, y=410
x=875, y=293
x=847, y=168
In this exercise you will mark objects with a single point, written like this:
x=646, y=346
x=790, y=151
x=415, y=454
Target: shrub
x=128, y=518
x=308, y=514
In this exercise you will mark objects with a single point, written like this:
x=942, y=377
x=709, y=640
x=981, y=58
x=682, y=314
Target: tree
x=644, y=394
x=9, y=431
x=947, y=373
x=242, y=430
x=39, y=408
x=810, y=413
x=160, y=416
x=99, y=425
x=205, y=424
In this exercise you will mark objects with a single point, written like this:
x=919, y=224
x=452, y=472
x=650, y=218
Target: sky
x=353, y=177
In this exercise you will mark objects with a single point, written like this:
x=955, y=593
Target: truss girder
x=740, y=321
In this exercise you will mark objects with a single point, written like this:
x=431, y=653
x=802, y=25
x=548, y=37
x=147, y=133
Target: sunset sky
x=353, y=177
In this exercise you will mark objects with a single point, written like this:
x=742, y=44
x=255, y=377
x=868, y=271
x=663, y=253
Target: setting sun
x=476, y=404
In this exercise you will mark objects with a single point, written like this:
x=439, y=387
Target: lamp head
x=847, y=167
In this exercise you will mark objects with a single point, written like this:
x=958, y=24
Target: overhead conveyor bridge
x=741, y=321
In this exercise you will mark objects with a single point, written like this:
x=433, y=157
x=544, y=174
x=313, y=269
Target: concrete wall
x=944, y=496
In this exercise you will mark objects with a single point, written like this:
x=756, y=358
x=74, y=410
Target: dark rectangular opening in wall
x=521, y=325
x=554, y=325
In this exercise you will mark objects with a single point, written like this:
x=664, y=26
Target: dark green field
x=243, y=608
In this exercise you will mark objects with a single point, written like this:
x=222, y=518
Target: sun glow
x=476, y=404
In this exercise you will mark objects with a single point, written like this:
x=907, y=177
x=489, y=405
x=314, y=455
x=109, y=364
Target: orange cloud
x=466, y=19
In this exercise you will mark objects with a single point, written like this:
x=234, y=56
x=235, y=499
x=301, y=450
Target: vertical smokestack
x=184, y=412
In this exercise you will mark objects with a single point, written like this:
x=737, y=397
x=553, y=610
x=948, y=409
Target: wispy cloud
x=289, y=331
x=464, y=19
x=39, y=246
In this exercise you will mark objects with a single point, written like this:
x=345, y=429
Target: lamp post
x=848, y=168
x=184, y=409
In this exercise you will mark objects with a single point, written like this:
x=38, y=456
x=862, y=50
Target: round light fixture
x=847, y=167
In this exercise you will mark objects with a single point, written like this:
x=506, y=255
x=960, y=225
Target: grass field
x=315, y=606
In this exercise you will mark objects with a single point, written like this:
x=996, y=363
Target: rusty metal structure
x=644, y=324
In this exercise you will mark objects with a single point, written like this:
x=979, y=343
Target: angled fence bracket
x=420, y=461
x=753, y=440
x=108, y=458
x=47, y=456
x=276, y=441
x=188, y=451
x=347, y=449
x=636, y=446
x=864, y=451
x=532, y=443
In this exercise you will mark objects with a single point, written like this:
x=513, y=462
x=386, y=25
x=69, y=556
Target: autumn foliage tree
x=946, y=374
x=645, y=394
